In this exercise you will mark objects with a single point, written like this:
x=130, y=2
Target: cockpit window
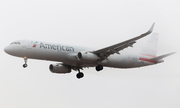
x=15, y=43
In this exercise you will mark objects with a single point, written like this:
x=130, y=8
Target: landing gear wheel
x=80, y=75
x=99, y=67
x=24, y=65
x=25, y=60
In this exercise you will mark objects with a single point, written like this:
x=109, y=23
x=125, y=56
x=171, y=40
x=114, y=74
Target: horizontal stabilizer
x=162, y=56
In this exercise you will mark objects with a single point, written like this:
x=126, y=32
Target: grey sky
x=92, y=23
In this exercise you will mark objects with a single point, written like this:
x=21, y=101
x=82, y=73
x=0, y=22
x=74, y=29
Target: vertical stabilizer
x=150, y=48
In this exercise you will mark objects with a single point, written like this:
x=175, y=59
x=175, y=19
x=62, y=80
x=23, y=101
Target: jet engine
x=58, y=68
x=82, y=56
x=87, y=56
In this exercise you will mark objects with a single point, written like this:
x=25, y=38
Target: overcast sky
x=91, y=23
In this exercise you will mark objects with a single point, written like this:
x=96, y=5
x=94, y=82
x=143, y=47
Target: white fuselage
x=61, y=53
x=76, y=58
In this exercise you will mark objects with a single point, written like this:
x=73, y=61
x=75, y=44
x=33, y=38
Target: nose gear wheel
x=25, y=60
x=24, y=65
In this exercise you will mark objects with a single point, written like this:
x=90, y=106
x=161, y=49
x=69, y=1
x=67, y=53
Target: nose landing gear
x=25, y=60
x=24, y=65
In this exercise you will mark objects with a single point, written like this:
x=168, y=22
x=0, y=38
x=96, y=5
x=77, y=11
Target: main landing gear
x=99, y=67
x=79, y=74
x=25, y=60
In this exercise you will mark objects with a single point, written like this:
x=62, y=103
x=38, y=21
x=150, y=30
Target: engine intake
x=82, y=57
x=79, y=56
x=87, y=56
x=58, y=68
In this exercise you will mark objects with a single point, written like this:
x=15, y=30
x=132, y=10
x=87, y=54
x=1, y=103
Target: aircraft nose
x=8, y=49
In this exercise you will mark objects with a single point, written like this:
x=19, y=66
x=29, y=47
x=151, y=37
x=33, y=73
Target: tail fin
x=150, y=49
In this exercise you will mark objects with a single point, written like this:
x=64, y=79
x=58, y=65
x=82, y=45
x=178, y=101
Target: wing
x=105, y=52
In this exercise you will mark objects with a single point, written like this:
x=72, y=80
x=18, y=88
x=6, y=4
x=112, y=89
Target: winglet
x=150, y=30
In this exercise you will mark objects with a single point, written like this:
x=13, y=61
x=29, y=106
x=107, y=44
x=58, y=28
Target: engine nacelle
x=87, y=56
x=58, y=68
x=82, y=57
x=73, y=57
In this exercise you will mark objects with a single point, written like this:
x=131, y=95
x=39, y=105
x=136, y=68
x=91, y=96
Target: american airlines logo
x=56, y=47
x=35, y=44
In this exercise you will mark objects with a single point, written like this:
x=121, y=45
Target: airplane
x=76, y=58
